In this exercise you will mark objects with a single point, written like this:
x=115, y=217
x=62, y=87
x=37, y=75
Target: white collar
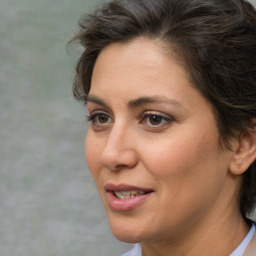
x=242, y=246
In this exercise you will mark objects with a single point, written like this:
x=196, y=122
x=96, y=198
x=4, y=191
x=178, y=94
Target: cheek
x=170, y=157
x=184, y=160
x=188, y=176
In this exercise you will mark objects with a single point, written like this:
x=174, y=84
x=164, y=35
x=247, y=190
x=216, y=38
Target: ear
x=245, y=153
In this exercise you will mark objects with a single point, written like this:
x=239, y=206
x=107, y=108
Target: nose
x=120, y=150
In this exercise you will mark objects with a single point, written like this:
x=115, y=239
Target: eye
x=99, y=118
x=102, y=118
x=155, y=120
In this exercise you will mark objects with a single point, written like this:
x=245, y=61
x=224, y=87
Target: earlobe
x=245, y=153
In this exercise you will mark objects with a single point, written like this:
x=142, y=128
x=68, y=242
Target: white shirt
x=242, y=246
x=136, y=250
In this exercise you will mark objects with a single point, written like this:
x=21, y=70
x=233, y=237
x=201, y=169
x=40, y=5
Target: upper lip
x=125, y=187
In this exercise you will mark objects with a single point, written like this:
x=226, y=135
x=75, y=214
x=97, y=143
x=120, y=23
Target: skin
x=194, y=207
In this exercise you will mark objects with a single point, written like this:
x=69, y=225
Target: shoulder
x=135, y=251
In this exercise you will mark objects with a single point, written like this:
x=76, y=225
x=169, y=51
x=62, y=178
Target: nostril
x=120, y=166
x=119, y=158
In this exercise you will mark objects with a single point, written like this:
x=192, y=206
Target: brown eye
x=98, y=119
x=102, y=118
x=155, y=120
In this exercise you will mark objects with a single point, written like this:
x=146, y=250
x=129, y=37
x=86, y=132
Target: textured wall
x=48, y=202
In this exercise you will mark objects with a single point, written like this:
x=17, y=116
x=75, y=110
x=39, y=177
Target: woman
x=170, y=87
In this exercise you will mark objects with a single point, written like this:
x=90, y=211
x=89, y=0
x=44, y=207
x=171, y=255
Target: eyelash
x=164, y=120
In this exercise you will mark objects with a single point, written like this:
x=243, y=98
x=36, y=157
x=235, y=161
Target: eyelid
x=98, y=112
x=156, y=113
x=148, y=112
x=93, y=107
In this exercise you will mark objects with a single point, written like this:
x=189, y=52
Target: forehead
x=137, y=62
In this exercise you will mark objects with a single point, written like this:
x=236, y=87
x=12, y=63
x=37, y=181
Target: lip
x=128, y=204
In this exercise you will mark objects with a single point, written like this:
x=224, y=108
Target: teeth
x=128, y=194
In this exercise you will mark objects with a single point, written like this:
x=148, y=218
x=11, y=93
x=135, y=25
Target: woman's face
x=153, y=145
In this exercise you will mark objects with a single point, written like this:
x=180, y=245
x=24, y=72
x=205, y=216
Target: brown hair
x=216, y=40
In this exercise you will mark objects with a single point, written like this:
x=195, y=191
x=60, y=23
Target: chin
x=127, y=238
x=127, y=232
x=131, y=238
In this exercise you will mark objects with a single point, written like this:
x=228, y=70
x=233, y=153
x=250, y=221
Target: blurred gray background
x=48, y=201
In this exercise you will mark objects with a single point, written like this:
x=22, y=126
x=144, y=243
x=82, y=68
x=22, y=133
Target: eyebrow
x=96, y=100
x=153, y=99
x=136, y=102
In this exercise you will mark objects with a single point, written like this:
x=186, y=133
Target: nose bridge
x=119, y=149
x=117, y=135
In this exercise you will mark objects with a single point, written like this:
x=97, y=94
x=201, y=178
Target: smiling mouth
x=124, y=198
x=123, y=191
x=128, y=194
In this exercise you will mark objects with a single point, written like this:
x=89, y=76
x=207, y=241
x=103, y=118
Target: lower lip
x=127, y=204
